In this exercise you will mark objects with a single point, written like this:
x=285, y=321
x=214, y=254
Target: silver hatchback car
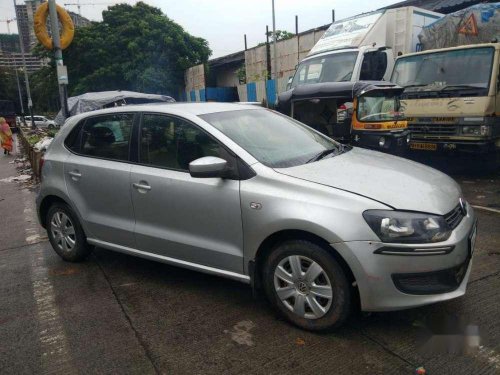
x=249, y=194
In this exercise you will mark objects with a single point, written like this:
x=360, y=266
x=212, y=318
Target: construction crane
x=79, y=5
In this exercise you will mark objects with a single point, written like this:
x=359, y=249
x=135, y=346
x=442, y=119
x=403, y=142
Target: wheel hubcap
x=63, y=231
x=303, y=287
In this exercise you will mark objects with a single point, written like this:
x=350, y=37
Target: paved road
x=119, y=314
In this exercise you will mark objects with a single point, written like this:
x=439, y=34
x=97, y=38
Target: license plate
x=472, y=240
x=423, y=146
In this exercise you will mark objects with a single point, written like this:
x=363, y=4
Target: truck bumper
x=473, y=147
x=393, y=142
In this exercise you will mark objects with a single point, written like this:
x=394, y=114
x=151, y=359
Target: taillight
x=342, y=107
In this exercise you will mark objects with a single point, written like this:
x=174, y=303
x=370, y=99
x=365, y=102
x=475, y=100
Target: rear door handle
x=142, y=185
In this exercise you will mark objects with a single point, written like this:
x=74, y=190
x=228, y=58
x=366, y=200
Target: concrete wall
x=256, y=64
x=194, y=78
x=258, y=87
x=290, y=52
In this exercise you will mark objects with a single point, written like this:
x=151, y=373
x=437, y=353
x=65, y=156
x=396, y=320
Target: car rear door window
x=170, y=142
x=108, y=136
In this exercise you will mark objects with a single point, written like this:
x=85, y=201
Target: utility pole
x=15, y=70
x=275, y=65
x=26, y=78
x=62, y=73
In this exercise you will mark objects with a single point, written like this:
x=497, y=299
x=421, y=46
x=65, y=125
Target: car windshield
x=336, y=67
x=378, y=107
x=274, y=140
x=446, y=69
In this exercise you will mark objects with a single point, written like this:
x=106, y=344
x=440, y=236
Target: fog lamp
x=381, y=142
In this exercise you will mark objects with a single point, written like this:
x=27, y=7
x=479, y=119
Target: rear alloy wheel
x=66, y=234
x=307, y=286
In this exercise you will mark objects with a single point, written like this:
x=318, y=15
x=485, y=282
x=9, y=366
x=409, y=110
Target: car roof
x=188, y=108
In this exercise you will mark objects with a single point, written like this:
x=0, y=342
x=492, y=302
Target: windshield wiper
x=446, y=87
x=417, y=85
x=325, y=153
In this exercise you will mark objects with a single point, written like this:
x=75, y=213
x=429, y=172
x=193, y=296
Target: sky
x=224, y=22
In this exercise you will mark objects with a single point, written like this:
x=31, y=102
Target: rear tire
x=307, y=286
x=66, y=234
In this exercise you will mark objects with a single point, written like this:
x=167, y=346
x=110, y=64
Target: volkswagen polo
x=255, y=196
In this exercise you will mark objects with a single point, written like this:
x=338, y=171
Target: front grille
x=454, y=217
x=434, y=130
x=435, y=282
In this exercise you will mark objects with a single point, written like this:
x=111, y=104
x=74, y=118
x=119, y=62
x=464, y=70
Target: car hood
x=394, y=181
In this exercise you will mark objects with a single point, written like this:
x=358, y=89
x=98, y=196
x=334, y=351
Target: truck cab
x=345, y=65
x=452, y=97
x=363, y=47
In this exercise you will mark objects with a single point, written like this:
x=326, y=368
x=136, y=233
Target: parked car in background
x=42, y=122
x=253, y=195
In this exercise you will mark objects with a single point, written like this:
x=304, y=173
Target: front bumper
x=394, y=142
x=376, y=274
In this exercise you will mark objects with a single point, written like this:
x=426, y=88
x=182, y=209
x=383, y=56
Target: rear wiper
x=325, y=153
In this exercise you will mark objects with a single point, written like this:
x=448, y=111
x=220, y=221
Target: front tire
x=66, y=234
x=307, y=286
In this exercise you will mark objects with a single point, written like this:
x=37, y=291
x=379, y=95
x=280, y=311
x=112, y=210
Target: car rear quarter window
x=107, y=136
x=72, y=141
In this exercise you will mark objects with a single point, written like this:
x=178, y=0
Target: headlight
x=470, y=130
x=407, y=227
x=476, y=130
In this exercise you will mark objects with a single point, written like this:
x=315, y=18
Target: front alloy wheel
x=306, y=285
x=303, y=286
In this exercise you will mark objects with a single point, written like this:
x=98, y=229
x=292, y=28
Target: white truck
x=363, y=47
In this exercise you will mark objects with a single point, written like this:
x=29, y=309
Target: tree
x=134, y=48
x=281, y=35
x=8, y=87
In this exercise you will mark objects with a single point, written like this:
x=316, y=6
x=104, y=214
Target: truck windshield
x=378, y=107
x=336, y=67
x=446, y=69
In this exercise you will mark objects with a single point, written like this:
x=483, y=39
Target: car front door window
x=172, y=143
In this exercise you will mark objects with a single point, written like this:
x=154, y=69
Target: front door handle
x=142, y=185
x=75, y=175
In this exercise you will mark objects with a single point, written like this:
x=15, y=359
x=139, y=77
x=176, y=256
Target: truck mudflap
x=394, y=142
x=473, y=147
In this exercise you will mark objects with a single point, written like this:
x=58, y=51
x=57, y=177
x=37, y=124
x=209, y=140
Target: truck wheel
x=307, y=286
x=66, y=234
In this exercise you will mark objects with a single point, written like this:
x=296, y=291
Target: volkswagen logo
x=463, y=206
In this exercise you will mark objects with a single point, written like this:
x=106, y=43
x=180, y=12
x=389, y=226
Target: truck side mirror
x=289, y=83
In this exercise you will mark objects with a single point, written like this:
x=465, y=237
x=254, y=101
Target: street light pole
x=275, y=65
x=62, y=75
x=26, y=78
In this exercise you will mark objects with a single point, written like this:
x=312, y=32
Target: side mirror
x=289, y=83
x=208, y=166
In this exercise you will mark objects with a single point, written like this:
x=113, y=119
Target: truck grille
x=454, y=217
x=432, y=129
